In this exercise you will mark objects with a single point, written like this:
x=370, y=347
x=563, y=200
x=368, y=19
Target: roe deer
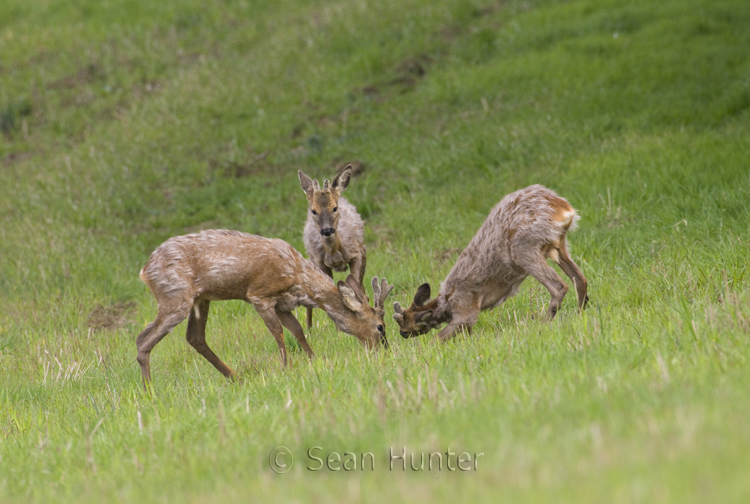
x=520, y=233
x=334, y=232
x=186, y=273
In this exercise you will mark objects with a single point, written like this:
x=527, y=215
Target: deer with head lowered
x=521, y=232
x=186, y=273
x=334, y=232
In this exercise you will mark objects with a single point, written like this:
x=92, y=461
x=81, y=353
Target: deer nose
x=327, y=231
x=404, y=334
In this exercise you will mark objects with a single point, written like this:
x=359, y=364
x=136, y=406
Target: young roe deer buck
x=186, y=273
x=520, y=233
x=334, y=232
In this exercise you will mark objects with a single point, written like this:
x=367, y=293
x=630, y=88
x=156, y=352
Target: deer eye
x=314, y=212
x=380, y=328
x=335, y=208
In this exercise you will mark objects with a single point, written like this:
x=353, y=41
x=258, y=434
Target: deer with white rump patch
x=186, y=273
x=334, y=233
x=521, y=232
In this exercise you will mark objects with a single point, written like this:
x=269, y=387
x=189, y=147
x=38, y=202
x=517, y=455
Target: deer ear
x=341, y=181
x=357, y=288
x=423, y=316
x=422, y=295
x=349, y=297
x=305, y=182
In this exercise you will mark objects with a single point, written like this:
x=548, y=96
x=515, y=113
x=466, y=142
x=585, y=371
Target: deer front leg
x=288, y=321
x=452, y=329
x=309, y=318
x=268, y=314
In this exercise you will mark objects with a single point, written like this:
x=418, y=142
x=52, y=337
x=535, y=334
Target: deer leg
x=168, y=317
x=574, y=273
x=466, y=311
x=328, y=271
x=288, y=321
x=539, y=269
x=274, y=325
x=196, y=336
x=452, y=329
x=309, y=318
x=357, y=267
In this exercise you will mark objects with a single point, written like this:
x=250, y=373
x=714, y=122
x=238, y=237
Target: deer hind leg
x=574, y=273
x=196, y=336
x=169, y=316
x=288, y=321
x=274, y=325
x=539, y=269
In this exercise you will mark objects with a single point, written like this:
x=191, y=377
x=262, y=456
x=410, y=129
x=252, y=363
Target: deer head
x=323, y=203
x=363, y=321
x=419, y=318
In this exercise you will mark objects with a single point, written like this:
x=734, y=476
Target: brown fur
x=186, y=273
x=520, y=233
x=334, y=231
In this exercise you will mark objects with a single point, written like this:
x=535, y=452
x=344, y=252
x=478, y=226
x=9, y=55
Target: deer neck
x=323, y=294
x=332, y=244
x=330, y=302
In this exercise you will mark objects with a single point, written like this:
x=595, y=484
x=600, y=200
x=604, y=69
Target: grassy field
x=123, y=123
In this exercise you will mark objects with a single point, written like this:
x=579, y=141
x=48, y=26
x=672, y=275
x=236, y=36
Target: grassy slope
x=123, y=125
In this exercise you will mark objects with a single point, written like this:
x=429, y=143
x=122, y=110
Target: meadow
x=123, y=123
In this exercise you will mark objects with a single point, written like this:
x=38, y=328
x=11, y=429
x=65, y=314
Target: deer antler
x=380, y=291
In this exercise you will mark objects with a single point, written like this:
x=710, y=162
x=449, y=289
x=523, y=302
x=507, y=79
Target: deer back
x=221, y=264
x=530, y=221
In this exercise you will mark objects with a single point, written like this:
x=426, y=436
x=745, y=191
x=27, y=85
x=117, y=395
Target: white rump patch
x=567, y=217
x=569, y=220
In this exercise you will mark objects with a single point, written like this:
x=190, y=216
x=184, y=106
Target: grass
x=122, y=124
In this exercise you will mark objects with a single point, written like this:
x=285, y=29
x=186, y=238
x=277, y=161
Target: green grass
x=123, y=123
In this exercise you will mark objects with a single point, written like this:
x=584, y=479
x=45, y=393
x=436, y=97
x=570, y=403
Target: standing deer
x=334, y=232
x=520, y=233
x=186, y=273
